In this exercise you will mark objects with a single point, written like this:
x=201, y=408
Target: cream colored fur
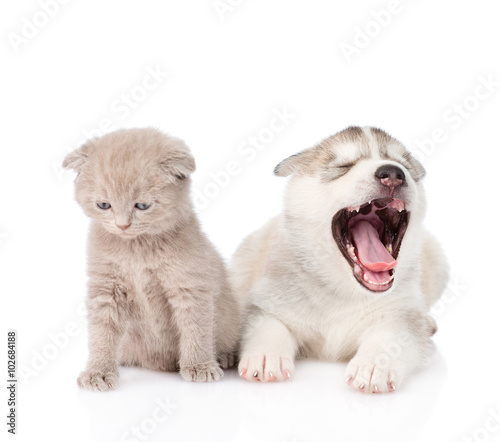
x=158, y=295
x=301, y=296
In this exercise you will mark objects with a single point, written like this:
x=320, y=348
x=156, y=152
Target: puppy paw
x=368, y=377
x=227, y=360
x=95, y=380
x=265, y=368
x=206, y=372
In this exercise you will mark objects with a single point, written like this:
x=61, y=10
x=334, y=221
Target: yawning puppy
x=347, y=272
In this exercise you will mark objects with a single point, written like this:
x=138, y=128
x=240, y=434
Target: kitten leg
x=105, y=330
x=388, y=354
x=268, y=350
x=228, y=320
x=193, y=314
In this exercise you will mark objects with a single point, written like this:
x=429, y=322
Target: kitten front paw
x=368, y=377
x=206, y=372
x=265, y=368
x=94, y=380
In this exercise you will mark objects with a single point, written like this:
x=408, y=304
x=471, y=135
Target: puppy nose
x=123, y=227
x=390, y=175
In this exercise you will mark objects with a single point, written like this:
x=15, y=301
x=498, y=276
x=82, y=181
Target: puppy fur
x=301, y=297
x=158, y=295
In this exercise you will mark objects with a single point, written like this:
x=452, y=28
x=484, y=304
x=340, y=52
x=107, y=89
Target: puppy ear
x=178, y=163
x=417, y=171
x=298, y=163
x=78, y=158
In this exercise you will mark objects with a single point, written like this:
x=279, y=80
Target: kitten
x=158, y=295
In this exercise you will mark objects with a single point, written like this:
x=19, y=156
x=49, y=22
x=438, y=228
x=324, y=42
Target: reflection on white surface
x=316, y=405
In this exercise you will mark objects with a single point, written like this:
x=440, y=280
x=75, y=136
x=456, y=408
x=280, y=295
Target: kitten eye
x=104, y=206
x=142, y=206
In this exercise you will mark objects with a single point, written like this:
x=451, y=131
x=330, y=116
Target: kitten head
x=133, y=181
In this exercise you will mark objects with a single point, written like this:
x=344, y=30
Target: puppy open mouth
x=369, y=237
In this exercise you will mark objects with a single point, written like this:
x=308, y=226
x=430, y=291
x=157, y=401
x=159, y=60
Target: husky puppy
x=347, y=272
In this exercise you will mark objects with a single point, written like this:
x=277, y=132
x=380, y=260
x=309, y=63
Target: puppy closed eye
x=336, y=171
x=142, y=206
x=345, y=166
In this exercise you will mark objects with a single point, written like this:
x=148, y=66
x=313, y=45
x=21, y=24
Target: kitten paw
x=368, y=377
x=97, y=380
x=206, y=372
x=227, y=360
x=265, y=368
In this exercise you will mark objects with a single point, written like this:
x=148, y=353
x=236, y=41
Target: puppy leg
x=193, y=313
x=105, y=330
x=387, y=355
x=268, y=350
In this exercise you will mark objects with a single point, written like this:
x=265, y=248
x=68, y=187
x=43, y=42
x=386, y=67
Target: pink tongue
x=371, y=252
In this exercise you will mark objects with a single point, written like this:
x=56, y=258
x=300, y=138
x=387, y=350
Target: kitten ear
x=76, y=160
x=179, y=165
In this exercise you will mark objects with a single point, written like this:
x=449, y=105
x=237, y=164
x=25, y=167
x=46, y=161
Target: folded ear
x=78, y=158
x=298, y=163
x=178, y=162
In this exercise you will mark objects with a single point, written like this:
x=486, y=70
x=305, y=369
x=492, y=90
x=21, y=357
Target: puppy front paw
x=95, y=380
x=205, y=372
x=265, y=368
x=368, y=377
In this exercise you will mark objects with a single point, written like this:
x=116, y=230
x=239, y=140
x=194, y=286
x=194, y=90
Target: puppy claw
x=367, y=377
x=265, y=368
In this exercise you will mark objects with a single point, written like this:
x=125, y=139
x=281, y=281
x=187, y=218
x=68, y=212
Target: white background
x=228, y=73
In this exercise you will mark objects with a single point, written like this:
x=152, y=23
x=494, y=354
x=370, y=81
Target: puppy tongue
x=371, y=252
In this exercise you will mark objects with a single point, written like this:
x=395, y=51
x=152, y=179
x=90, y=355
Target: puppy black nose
x=390, y=175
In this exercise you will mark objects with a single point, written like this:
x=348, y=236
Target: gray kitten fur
x=158, y=295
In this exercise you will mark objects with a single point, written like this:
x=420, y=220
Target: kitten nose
x=123, y=227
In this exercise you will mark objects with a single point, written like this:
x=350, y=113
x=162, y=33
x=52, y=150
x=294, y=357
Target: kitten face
x=133, y=181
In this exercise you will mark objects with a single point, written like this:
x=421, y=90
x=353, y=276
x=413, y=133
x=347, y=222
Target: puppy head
x=133, y=181
x=351, y=205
